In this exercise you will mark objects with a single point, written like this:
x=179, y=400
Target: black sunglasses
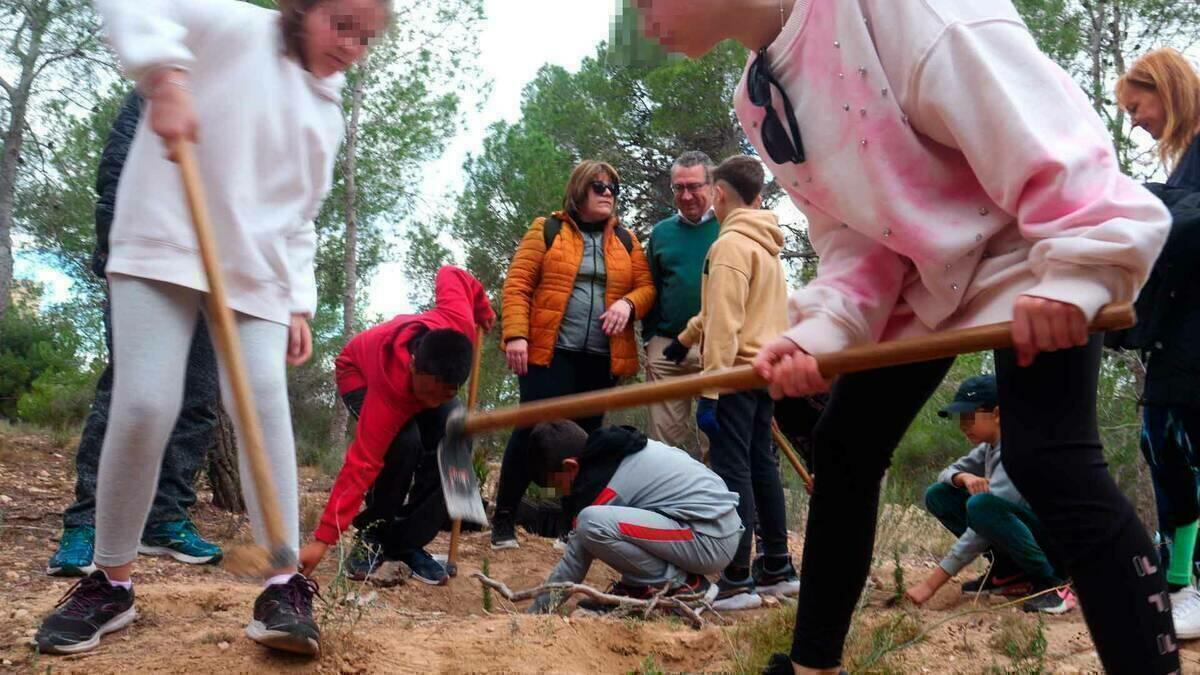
x=779, y=145
x=600, y=187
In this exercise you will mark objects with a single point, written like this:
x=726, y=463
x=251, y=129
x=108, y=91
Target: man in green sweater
x=676, y=253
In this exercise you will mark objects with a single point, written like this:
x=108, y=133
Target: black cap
x=974, y=393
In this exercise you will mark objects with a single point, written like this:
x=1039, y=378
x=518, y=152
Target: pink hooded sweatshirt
x=951, y=167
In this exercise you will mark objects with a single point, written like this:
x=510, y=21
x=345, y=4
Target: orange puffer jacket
x=539, y=285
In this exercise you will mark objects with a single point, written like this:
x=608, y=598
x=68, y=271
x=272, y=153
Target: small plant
x=897, y=577
x=649, y=666
x=485, y=567
x=1024, y=642
x=754, y=642
x=867, y=651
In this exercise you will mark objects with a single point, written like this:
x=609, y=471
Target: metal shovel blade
x=459, y=485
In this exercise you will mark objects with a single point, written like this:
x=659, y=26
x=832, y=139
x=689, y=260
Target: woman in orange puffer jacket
x=577, y=281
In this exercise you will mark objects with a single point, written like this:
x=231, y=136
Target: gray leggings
x=152, y=324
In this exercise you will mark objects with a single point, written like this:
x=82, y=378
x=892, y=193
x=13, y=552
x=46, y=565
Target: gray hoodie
x=984, y=461
x=668, y=481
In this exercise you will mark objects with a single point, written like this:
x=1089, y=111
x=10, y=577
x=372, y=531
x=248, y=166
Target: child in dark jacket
x=650, y=511
x=399, y=379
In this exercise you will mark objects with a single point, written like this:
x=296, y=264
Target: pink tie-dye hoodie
x=951, y=168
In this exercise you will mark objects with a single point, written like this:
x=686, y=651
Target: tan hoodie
x=743, y=296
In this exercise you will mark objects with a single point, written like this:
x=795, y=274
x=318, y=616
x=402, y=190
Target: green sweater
x=676, y=253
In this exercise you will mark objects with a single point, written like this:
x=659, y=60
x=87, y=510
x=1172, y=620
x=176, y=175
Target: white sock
x=278, y=579
x=122, y=584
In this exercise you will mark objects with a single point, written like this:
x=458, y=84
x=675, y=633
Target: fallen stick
x=568, y=589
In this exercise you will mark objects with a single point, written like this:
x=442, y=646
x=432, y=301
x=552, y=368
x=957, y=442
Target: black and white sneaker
x=1058, y=601
x=781, y=583
x=504, y=533
x=736, y=595
x=283, y=617
x=90, y=609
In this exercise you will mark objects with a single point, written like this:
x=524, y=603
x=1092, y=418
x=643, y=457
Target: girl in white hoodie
x=258, y=91
x=952, y=176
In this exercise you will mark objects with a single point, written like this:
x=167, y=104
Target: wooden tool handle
x=472, y=398
x=852, y=360
x=222, y=327
x=785, y=446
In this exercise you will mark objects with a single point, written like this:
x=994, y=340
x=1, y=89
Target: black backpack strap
x=550, y=229
x=625, y=238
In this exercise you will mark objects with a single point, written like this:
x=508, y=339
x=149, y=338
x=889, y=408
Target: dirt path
x=192, y=617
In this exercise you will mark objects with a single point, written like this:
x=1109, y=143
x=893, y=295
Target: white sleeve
x=151, y=34
x=1041, y=153
x=302, y=273
x=857, y=286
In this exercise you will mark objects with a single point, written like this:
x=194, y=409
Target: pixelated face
x=980, y=426
x=693, y=193
x=337, y=33
x=601, y=200
x=690, y=27
x=1145, y=107
x=431, y=391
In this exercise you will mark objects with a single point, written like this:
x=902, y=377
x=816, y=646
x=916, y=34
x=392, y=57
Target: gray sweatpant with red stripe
x=646, y=547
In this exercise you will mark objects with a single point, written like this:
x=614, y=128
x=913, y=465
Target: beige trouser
x=670, y=421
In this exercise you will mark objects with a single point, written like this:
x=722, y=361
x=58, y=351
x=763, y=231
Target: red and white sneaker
x=1058, y=601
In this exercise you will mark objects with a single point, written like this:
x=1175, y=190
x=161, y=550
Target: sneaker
x=781, y=664
x=74, y=555
x=91, y=608
x=1185, y=611
x=736, y=595
x=425, y=569
x=364, y=559
x=694, y=586
x=1012, y=585
x=181, y=540
x=1059, y=601
x=504, y=534
x=781, y=583
x=283, y=617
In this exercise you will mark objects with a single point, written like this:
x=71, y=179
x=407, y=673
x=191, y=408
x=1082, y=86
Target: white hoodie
x=269, y=132
x=951, y=167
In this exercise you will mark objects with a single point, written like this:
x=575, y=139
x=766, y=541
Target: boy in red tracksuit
x=399, y=379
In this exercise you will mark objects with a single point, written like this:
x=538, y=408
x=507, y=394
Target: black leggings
x=569, y=372
x=1053, y=454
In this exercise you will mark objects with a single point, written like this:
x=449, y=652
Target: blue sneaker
x=74, y=555
x=425, y=569
x=180, y=540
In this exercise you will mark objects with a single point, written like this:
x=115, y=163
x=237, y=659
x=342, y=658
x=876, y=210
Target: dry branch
x=690, y=607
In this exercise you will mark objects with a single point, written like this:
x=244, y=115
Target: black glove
x=676, y=352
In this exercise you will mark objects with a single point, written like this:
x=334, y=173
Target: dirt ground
x=191, y=618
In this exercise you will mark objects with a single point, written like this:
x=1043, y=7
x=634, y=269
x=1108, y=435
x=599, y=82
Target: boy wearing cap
x=975, y=500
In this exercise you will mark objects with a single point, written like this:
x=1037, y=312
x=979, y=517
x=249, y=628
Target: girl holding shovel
x=952, y=176
x=259, y=91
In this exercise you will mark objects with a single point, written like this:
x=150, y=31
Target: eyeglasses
x=599, y=187
x=781, y=148
x=680, y=188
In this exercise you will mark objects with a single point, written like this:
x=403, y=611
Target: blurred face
x=601, y=198
x=1145, y=107
x=338, y=32
x=690, y=27
x=693, y=193
x=980, y=427
x=431, y=391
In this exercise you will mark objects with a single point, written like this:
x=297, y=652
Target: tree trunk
x=10, y=154
x=337, y=429
x=223, y=467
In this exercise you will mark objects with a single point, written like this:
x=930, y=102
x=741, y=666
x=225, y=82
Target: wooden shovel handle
x=472, y=397
x=785, y=446
x=224, y=330
x=852, y=360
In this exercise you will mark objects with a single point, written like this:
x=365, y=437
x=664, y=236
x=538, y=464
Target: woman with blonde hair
x=576, y=282
x=1161, y=93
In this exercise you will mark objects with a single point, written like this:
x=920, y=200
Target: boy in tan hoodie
x=743, y=305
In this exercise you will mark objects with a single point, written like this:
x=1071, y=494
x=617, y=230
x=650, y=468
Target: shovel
x=462, y=491
x=246, y=560
x=472, y=397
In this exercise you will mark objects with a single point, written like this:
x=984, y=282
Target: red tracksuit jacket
x=378, y=359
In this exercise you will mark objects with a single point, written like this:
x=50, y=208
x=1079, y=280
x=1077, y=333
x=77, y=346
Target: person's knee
x=983, y=509
x=594, y=527
x=937, y=496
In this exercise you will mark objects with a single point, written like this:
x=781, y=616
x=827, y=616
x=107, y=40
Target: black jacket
x=1187, y=174
x=112, y=160
x=1168, y=308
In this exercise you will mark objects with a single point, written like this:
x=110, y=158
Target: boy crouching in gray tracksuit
x=650, y=511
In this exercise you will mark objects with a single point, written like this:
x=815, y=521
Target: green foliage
x=1024, y=641
x=485, y=568
x=753, y=642
x=58, y=398
x=33, y=344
